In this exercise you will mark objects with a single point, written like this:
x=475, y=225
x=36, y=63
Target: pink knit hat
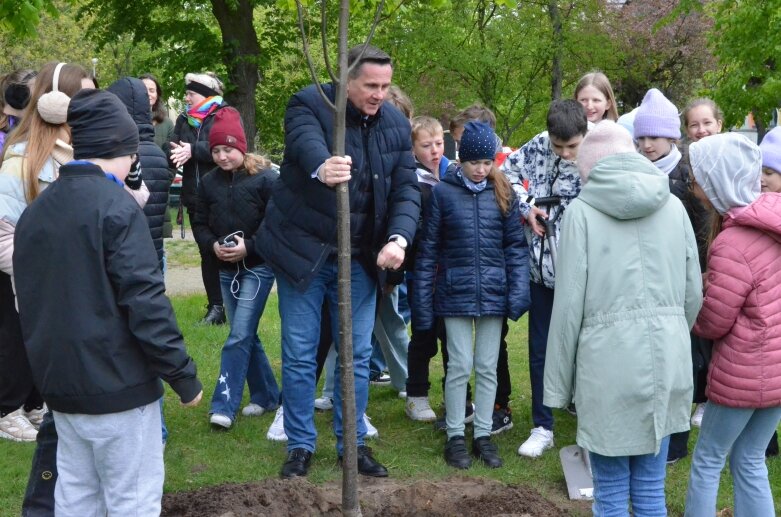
x=606, y=139
x=657, y=117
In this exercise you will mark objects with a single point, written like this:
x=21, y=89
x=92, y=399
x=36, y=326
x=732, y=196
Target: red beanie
x=227, y=130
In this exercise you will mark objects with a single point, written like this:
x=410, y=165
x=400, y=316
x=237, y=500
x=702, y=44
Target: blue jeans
x=621, y=478
x=539, y=323
x=390, y=335
x=243, y=357
x=300, y=314
x=743, y=435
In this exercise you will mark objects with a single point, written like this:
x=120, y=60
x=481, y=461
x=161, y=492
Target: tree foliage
x=747, y=43
x=21, y=17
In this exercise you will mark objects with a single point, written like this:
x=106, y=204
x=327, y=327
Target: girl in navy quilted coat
x=232, y=201
x=472, y=270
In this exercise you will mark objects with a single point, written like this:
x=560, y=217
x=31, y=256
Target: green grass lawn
x=197, y=456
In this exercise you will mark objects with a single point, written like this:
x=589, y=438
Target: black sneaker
x=215, y=315
x=367, y=465
x=296, y=464
x=502, y=420
x=485, y=451
x=469, y=416
x=380, y=379
x=456, y=454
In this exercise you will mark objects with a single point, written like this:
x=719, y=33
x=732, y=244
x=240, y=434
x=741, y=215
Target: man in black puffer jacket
x=153, y=162
x=298, y=237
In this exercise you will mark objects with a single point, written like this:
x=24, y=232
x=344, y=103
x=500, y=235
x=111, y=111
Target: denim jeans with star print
x=243, y=359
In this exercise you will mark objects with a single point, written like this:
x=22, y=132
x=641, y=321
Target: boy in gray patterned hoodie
x=547, y=164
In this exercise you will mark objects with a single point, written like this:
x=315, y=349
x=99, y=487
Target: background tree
x=661, y=46
x=21, y=17
x=746, y=40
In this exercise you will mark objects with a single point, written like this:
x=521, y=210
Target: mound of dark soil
x=379, y=497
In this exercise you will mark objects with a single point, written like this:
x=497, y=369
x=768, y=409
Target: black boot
x=215, y=315
x=485, y=451
x=456, y=454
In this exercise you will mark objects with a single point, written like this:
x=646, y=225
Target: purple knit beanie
x=657, y=117
x=771, y=150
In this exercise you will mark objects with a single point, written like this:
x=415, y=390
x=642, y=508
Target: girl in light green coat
x=628, y=291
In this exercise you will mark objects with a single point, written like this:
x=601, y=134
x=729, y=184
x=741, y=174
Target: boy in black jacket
x=98, y=328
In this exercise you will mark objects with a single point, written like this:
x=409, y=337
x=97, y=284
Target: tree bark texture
x=556, y=73
x=241, y=55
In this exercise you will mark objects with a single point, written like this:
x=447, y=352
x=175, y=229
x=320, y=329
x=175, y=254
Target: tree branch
x=375, y=22
x=324, y=32
x=308, y=55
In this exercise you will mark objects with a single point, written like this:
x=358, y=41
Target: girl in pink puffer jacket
x=741, y=313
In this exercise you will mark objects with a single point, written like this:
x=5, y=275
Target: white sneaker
x=14, y=426
x=252, y=409
x=35, y=417
x=419, y=409
x=697, y=416
x=276, y=433
x=324, y=403
x=371, y=431
x=220, y=420
x=403, y=395
x=540, y=440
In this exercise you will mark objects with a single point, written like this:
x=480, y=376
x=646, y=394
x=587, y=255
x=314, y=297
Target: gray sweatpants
x=109, y=464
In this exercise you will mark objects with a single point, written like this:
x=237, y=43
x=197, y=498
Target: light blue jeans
x=300, y=314
x=743, y=435
x=243, y=358
x=390, y=331
x=463, y=354
x=619, y=479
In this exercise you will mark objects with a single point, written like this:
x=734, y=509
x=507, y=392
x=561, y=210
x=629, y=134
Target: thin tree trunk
x=242, y=52
x=350, y=503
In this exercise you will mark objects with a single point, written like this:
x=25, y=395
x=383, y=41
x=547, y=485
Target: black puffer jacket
x=99, y=330
x=230, y=202
x=299, y=231
x=201, y=161
x=154, y=164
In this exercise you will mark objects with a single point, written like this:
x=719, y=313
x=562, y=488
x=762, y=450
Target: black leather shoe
x=456, y=454
x=215, y=315
x=367, y=465
x=296, y=464
x=485, y=451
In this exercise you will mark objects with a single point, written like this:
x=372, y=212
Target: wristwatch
x=401, y=241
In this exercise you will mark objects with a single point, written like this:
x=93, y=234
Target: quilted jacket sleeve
x=305, y=137
x=516, y=255
x=568, y=309
x=426, y=265
x=729, y=283
x=404, y=202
